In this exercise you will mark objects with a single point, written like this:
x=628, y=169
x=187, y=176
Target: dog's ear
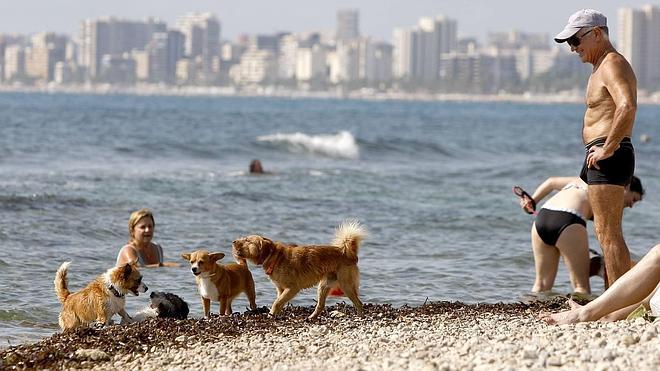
x=267, y=243
x=128, y=269
x=186, y=256
x=215, y=256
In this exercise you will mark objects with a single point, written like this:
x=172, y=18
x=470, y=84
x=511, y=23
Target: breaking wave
x=340, y=145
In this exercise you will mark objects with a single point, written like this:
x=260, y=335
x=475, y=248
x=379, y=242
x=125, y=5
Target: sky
x=377, y=17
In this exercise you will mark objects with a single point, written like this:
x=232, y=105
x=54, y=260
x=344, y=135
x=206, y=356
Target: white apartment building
x=361, y=59
x=311, y=63
x=288, y=57
x=417, y=50
x=530, y=62
x=403, y=40
x=256, y=67
x=202, y=37
x=14, y=62
x=639, y=41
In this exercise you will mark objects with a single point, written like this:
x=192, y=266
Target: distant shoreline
x=276, y=92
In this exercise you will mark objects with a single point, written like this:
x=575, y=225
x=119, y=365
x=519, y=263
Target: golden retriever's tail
x=61, y=288
x=348, y=236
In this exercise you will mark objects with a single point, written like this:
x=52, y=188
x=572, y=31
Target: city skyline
x=377, y=18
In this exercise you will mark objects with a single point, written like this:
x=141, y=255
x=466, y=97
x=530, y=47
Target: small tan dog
x=220, y=283
x=293, y=268
x=101, y=299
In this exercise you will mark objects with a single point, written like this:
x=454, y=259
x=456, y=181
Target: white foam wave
x=341, y=145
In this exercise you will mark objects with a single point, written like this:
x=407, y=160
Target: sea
x=430, y=180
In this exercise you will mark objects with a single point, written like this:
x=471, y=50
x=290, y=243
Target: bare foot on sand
x=561, y=318
x=573, y=304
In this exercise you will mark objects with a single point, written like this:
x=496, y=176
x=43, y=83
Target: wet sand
x=439, y=335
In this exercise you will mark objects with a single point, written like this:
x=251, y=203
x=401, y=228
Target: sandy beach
x=442, y=335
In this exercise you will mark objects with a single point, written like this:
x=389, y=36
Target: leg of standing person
x=607, y=204
x=573, y=245
x=632, y=288
x=546, y=261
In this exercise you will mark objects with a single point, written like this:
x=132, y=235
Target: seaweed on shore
x=59, y=351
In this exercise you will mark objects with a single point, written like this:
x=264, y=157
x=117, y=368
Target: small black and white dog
x=163, y=305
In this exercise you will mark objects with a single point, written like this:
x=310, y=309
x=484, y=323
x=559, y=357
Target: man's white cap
x=581, y=18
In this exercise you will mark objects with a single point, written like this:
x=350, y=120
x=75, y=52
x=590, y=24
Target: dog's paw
x=336, y=314
x=96, y=325
x=125, y=321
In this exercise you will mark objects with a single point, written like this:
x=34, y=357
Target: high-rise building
x=113, y=37
x=417, y=50
x=639, y=42
x=348, y=24
x=256, y=67
x=310, y=63
x=288, y=57
x=202, y=38
x=265, y=42
x=175, y=50
x=362, y=60
x=158, y=58
x=14, y=62
x=47, y=49
x=403, y=40
x=3, y=45
x=382, y=70
x=514, y=40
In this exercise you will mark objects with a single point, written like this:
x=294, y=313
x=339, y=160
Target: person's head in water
x=634, y=192
x=255, y=167
x=141, y=226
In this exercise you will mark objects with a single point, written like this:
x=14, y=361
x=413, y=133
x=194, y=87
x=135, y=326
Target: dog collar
x=268, y=268
x=114, y=291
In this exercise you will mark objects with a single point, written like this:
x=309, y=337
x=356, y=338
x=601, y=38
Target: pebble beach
x=433, y=336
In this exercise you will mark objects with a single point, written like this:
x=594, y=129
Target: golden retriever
x=292, y=268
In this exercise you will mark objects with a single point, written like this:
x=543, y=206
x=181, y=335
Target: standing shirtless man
x=608, y=122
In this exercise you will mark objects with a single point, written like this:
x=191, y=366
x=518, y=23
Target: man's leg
x=607, y=204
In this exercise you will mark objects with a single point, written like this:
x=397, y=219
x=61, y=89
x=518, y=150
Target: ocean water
x=431, y=181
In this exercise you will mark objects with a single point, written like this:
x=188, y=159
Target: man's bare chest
x=597, y=93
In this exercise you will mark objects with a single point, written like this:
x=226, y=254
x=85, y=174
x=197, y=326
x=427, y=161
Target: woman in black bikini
x=141, y=230
x=560, y=230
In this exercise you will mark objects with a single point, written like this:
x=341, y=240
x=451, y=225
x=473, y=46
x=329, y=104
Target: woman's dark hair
x=636, y=186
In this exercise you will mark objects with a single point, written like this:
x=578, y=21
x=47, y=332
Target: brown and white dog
x=101, y=299
x=222, y=283
x=293, y=268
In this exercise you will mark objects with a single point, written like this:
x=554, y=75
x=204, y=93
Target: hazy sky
x=377, y=17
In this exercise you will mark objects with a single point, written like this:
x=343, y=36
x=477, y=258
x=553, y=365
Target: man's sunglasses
x=574, y=41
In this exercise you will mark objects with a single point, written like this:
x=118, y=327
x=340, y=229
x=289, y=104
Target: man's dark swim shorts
x=617, y=169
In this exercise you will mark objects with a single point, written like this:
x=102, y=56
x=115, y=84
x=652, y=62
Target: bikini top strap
x=160, y=253
x=139, y=256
